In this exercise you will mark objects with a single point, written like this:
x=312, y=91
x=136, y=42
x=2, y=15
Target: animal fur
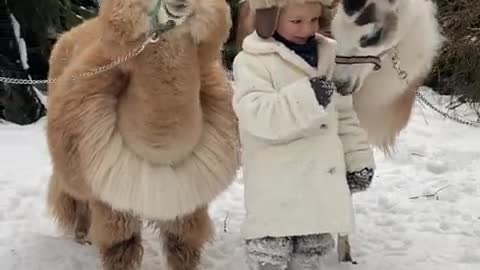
x=382, y=100
x=153, y=138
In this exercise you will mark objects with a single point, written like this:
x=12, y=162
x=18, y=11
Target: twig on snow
x=225, y=223
x=429, y=195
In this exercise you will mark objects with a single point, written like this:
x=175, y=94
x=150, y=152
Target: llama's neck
x=422, y=40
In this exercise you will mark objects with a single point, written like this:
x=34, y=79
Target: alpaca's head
x=131, y=19
x=172, y=10
x=367, y=28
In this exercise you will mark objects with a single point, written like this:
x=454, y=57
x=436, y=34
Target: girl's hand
x=360, y=180
x=323, y=89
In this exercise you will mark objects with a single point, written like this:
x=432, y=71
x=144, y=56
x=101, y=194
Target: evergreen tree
x=28, y=30
x=457, y=70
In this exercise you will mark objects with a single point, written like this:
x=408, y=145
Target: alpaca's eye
x=372, y=40
x=179, y=6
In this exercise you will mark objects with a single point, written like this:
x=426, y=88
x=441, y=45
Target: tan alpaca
x=151, y=139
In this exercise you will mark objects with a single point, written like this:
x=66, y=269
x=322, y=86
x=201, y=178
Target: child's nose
x=308, y=29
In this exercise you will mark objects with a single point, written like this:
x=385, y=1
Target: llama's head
x=366, y=28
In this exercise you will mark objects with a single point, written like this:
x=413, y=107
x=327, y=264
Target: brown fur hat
x=267, y=11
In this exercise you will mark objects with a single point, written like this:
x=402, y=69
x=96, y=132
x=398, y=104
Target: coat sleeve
x=358, y=154
x=273, y=114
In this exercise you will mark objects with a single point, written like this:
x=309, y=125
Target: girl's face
x=298, y=22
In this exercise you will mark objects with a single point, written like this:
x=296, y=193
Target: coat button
x=324, y=126
x=332, y=170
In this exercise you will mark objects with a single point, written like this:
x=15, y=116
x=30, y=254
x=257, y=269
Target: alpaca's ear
x=125, y=20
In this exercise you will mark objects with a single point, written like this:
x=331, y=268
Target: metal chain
x=396, y=64
x=420, y=97
x=153, y=38
x=457, y=119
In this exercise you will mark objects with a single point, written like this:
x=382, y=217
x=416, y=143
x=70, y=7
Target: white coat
x=295, y=153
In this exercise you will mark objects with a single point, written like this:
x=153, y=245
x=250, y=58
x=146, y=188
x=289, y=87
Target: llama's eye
x=367, y=16
x=352, y=6
x=372, y=40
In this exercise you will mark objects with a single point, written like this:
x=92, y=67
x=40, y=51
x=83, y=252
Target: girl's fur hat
x=261, y=4
x=267, y=11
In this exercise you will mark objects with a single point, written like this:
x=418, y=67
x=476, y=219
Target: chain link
x=153, y=38
x=396, y=64
x=420, y=97
x=457, y=119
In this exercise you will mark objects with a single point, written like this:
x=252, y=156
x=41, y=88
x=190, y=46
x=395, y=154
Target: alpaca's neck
x=159, y=112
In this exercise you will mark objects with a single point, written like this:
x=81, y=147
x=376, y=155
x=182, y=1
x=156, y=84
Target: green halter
x=157, y=26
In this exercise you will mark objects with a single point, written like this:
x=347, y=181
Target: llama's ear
x=353, y=6
x=367, y=16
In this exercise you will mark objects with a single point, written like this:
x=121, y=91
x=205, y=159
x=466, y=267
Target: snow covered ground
x=394, y=230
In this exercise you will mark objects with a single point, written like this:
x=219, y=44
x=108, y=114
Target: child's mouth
x=301, y=40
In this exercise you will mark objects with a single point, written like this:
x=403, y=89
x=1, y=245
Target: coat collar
x=254, y=44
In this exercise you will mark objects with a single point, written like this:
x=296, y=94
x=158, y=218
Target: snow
x=22, y=48
x=399, y=227
x=20, y=41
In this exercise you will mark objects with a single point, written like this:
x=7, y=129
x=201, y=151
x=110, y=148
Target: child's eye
x=296, y=21
x=316, y=19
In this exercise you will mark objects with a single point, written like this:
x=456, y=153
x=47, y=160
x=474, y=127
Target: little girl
x=302, y=147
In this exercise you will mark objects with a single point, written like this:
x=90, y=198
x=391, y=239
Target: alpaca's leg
x=117, y=236
x=184, y=238
x=82, y=222
x=72, y=215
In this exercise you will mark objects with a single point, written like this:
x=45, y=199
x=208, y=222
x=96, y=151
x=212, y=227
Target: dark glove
x=323, y=89
x=360, y=180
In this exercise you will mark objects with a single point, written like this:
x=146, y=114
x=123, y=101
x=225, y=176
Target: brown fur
x=117, y=235
x=184, y=237
x=163, y=104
